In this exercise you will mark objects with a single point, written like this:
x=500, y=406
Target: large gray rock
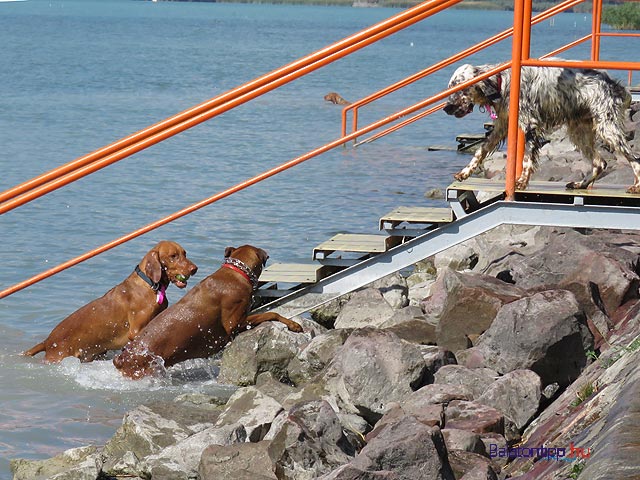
x=517, y=395
x=266, y=348
x=595, y=268
x=243, y=461
x=181, y=461
x=253, y=410
x=412, y=325
x=463, y=440
x=316, y=355
x=144, y=432
x=464, y=305
x=366, y=307
x=475, y=379
x=82, y=463
x=404, y=450
x=373, y=367
x=545, y=332
x=473, y=417
x=309, y=442
x=479, y=253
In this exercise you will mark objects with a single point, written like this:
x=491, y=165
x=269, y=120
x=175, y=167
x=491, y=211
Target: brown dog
x=108, y=322
x=204, y=320
x=333, y=97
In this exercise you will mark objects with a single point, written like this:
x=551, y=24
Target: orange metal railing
x=136, y=142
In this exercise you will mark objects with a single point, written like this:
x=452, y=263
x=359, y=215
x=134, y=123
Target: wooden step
x=416, y=215
x=292, y=273
x=354, y=243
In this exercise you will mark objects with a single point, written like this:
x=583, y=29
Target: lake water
x=77, y=75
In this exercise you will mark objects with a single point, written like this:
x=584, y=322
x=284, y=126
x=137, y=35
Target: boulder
x=473, y=417
x=412, y=325
x=373, y=367
x=82, y=463
x=144, y=431
x=475, y=379
x=309, y=442
x=181, y=461
x=253, y=410
x=469, y=465
x=545, y=332
x=394, y=290
x=266, y=348
x=243, y=461
x=366, y=307
x=440, y=393
x=312, y=360
x=436, y=358
x=404, y=450
x=463, y=440
x=517, y=395
x=464, y=305
x=595, y=268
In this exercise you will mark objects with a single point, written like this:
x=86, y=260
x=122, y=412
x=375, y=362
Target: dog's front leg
x=258, y=318
x=534, y=142
x=485, y=149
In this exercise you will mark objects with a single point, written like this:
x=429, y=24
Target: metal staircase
x=347, y=262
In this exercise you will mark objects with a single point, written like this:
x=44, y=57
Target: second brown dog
x=204, y=320
x=108, y=322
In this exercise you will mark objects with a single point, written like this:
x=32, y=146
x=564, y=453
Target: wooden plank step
x=473, y=137
x=542, y=187
x=354, y=242
x=292, y=273
x=413, y=215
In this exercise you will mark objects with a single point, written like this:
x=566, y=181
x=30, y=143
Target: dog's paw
x=460, y=177
x=294, y=326
x=634, y=189
x=521, y=185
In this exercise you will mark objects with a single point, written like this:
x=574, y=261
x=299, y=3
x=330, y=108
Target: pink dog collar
x=160, y=295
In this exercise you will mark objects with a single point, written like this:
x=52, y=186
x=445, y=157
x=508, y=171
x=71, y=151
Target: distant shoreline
x=467, y=5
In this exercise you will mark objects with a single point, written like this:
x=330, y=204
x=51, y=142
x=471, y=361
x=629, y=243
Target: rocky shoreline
x=512, y=355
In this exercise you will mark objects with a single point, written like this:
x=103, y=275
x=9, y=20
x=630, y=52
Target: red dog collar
x=242, y=269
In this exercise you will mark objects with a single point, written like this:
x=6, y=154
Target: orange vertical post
x=595, y=29
x=514, y=98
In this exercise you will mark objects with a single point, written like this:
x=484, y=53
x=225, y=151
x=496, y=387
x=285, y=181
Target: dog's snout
x=194, y=269
x=449, y=109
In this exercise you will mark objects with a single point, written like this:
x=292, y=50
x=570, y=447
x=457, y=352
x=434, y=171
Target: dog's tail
x=35, y=349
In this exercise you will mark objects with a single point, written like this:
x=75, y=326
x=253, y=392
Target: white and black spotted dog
x=588, y=102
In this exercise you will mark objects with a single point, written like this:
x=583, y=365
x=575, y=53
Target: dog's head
x=168, y=262
x=253, y=257
x=484, y=92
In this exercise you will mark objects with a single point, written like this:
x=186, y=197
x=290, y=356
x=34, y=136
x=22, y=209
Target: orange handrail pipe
x=400, y=125
x=445, y=63
x=131, y=144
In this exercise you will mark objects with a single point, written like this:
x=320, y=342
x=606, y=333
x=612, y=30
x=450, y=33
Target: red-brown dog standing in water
x=204, y=320
x=108, y=322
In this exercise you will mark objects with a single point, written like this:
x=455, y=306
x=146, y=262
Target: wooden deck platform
x=542, y=187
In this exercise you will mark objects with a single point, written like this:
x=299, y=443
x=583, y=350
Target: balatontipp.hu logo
x=541, y=453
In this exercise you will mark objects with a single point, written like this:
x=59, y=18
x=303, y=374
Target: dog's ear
x=153, y=267
x=491, y=88
x=228, y=251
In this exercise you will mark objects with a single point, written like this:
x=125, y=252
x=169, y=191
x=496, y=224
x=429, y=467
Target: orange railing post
x=514, y=98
